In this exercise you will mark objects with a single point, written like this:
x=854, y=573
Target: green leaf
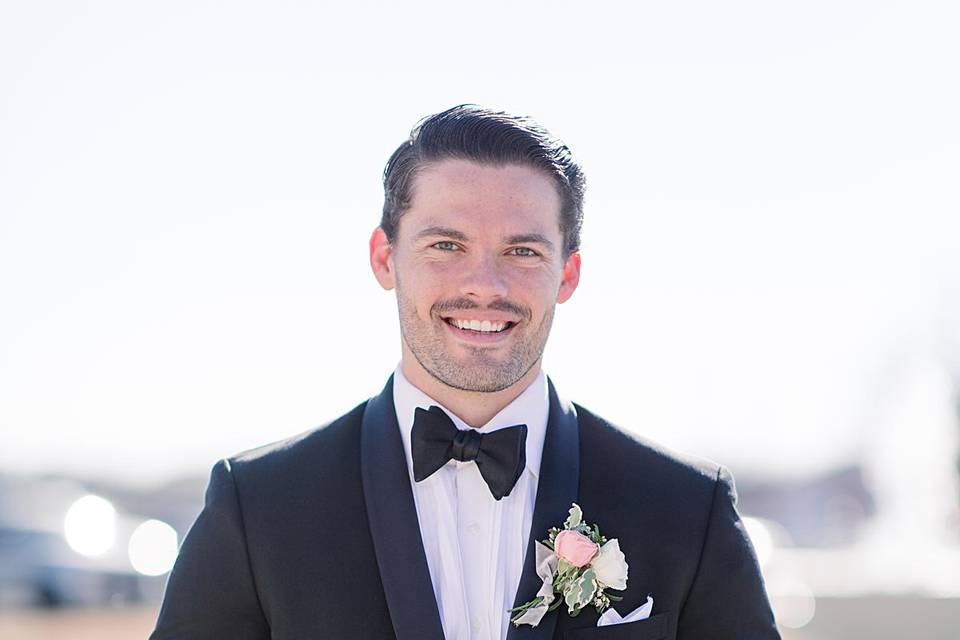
x=581, y=591
x=576, y=516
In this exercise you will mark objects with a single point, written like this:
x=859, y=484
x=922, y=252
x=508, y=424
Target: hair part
x=471, y=132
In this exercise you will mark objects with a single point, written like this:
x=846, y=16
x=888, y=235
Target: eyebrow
x=522, y=238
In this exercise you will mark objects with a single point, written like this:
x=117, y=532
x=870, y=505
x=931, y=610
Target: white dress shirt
x=475, y=545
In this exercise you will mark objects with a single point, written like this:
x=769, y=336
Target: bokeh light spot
x=153, y=548
x=793, y=602
x=90, y=525
x=760, y=537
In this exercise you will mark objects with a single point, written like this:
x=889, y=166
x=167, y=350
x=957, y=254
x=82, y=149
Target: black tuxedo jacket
x=317, y=537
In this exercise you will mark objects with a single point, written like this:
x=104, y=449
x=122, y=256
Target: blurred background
x=771, y=273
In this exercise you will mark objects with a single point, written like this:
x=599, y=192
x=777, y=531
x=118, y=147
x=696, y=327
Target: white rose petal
x=610, y=566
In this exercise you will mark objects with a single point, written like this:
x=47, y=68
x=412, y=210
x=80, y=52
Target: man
x=417, y=514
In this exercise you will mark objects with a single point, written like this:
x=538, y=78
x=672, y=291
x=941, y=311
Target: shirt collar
x=531, y=408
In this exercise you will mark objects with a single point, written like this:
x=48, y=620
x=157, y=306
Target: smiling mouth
x=480, y=327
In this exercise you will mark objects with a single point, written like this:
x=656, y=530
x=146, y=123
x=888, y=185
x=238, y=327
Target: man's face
x=478, y=265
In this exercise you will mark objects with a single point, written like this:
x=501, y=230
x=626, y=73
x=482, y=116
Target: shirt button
x=476, y=625
x=473, y=529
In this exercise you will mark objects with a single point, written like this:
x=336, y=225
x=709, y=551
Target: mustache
x=464, y=304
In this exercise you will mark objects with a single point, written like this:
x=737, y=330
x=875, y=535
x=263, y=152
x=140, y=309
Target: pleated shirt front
x=475, y=545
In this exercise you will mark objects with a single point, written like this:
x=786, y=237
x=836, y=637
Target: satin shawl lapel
x=556, y=490
x=394, y=525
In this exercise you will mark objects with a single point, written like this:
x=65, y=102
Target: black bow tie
x=500, y=455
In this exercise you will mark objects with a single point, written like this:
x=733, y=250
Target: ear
x=571, y=277
x=381, y=259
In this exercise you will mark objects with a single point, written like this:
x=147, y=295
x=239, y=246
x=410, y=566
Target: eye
x=524, y=252
x=445, y=245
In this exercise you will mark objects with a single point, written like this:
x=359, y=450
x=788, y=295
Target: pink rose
x=575, y=548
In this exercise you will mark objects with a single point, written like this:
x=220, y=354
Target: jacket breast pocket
x=652, y=628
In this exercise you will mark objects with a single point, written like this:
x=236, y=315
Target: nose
x=484, y=280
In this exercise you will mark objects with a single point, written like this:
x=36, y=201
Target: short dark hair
x=471, y=132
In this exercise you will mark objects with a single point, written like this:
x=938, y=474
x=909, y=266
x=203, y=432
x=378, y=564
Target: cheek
x=420, y=293
x=538, y=287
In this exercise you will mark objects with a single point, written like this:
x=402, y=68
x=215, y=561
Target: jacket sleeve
x=211, y=591
x=727, y=599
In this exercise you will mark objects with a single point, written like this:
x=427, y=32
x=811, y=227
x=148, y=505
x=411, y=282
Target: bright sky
x=187, y=189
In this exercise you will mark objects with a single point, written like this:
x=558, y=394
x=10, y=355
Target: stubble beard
x=478, y=371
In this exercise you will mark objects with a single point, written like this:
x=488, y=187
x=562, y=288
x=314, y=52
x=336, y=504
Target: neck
x=476, y=408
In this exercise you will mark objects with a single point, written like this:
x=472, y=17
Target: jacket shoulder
x=634, y=457
x=317, y=447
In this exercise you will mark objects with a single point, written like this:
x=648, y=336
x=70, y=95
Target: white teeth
x=478, y=325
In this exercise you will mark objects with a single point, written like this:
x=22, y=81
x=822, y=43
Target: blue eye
x=526, y=252
x=445, y=245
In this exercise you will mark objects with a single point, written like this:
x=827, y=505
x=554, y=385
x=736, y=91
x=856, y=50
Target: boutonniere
x=577, y=566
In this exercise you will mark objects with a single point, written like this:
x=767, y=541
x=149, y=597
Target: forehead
x=496, y=197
